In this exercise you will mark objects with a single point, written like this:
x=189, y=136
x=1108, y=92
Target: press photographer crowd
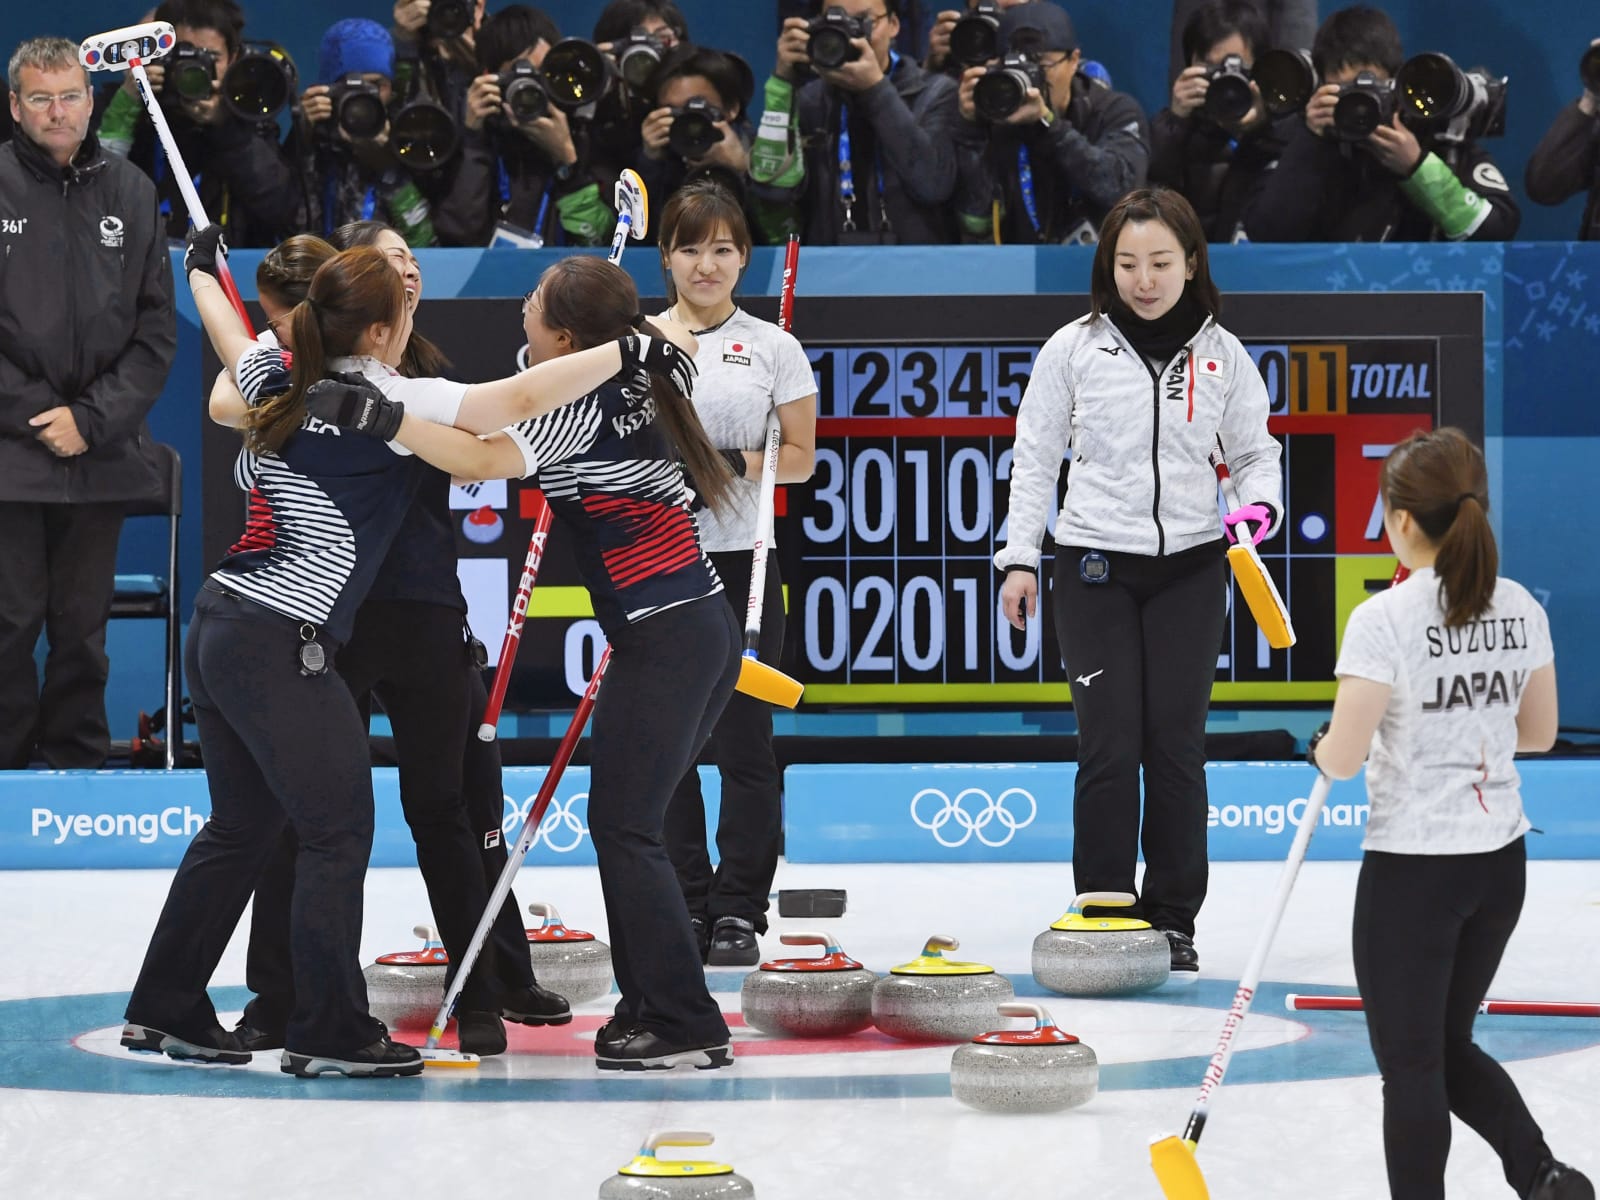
x=881, y=122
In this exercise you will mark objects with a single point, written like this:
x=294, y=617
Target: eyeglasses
x=41, y=101
x=528, y=301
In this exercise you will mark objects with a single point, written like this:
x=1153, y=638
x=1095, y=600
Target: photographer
x=697, y=126
x=1198, y=146
x=878, y=164
x=939, y=57
x=1290, y=24
x=1567, y=159
x=1044, y=152
x=435, y=49
x=244, y=179
x=354, y=175
x=522, y=177
x=661, y=19
x=1402, y=183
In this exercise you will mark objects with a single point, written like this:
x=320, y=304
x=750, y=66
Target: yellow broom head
x=1177, y=1170
x=1261, y=594
x=768, y=683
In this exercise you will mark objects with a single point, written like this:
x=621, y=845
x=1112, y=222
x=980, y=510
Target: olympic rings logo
x=972, y=812
x=562, y=829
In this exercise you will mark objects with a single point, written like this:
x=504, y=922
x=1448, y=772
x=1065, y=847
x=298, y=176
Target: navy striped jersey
x=612, y=478
x=325, y=508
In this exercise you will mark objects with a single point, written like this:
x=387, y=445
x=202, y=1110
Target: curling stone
x=830, y=996
x=937, y=999
x=407, y=988
x=1101, y=956
x=569, y=962
x=1037, y=1070
x=675, y=1179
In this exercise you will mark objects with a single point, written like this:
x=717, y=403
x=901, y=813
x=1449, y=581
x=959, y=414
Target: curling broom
x=1250, y=573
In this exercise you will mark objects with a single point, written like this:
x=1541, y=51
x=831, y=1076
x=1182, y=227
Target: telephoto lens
x=637, y=57
x=1285, y=79
x=975, y=38
x=1365, y=103
x=449, y=18
x=1228, y=98
x=259, y=84
x=694, y=128
x=423, y=136
x=832, y=34
x=523, y=92
x=576, y=73
x=358, y=108
x=1433, y=88
x=1004, y=88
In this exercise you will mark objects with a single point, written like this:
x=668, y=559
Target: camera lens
x=830, y=48
x=1285, y=79
x=255, y=88
x=1357, y=114
x=526, y=100
x=692, y=135
x=192, y=81
x=361, y=115
x=974, y=41
x=575, y=72
x=1433, y=86
x=637, y=63
x=1000, y=93
x=1229, y=98
x=449, y=18
x=1589, y=68
x=423, y=136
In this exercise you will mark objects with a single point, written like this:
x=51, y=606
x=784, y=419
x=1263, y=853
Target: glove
x=1311, y=746
x=696, y=500
x=1258, y=515
x=737, y=463
x=660, y=357
x=201, y=250
x=354, y=402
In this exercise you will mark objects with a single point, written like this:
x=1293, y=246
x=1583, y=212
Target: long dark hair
x=423, y=359
x=1440, y=479
x=595, y=302
x=1177, y=214
x=694, y=214
x=351, y=292
x=285, y=271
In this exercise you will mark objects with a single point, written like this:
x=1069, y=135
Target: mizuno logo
x=1111, y=350
x=1086, y=680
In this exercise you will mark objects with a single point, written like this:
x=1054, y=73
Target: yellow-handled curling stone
x=570, y=962
x=938, y=999
x=649, y=1175
x=1035, y=1070
x=826, y=996
x=1101, y=956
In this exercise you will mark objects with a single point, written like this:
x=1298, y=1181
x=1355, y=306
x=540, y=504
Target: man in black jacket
x=1403, y=183
x=1052, y=168
x=876, y=134
x=1567, y=159
x=87, y=333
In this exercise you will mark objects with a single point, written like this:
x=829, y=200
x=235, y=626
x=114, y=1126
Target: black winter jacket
x=1567, y=161
x=1216, y=171
x=86, y=321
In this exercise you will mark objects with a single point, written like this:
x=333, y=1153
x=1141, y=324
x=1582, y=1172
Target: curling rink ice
x=858, y=1117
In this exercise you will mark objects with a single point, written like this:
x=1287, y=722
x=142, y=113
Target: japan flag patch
x=736, y=351
x=1208, y=366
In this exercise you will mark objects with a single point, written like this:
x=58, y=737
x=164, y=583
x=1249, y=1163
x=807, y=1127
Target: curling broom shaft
x=519, y=613
x=1489, y=1008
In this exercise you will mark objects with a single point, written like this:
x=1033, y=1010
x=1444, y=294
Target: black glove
x=354, y=402
x=660, y=357
x=202, y=248
x=1311, y=746
x=696, y=500
x=737, y=463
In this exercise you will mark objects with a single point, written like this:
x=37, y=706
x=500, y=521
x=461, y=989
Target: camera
x=1228, y=98
x=1589, y=69
x=1003, y=88
x=358, y=108
x=975, y=39
x=637, y=57
x=423, y=136
x=1472, y=103
x=829, y=45
x=260, y=83
x=449, y=18
x=523, y=90
x=576, y=74
x=1285, y=79
x=694, y=128
x=1365, y=103
x=190, y=73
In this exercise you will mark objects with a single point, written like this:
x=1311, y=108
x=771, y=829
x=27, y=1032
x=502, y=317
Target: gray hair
x=44, y=54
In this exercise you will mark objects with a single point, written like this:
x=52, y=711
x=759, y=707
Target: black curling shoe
x=215, y=1045
x=251, y=1038
x=635, y=1048
x=1557, y=1181
x=383, y=1059
x=1184, y=956
x=733, y=944
x=480, y=1033
x=702, y=935
x=536, y=1006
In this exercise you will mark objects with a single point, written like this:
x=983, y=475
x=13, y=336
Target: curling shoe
x=635, y=1048
x=1557, y=1181
x=250, y=1037
x=383, y=1059
x=702, y=936
x=480, y=1033
x=536, y=1006
x=1185, y=958
x=733, y=944
x=215, y=1045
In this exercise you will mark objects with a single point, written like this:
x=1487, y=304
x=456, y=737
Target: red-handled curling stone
x=1034, y=1070
x=816, y=996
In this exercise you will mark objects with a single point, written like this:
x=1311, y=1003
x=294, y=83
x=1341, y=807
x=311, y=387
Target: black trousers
x=1141, y=651
x=1428, y=934
x=413, y=658
x=750, y=826
x=58, y=565
x=670, y=676
x=279, y=747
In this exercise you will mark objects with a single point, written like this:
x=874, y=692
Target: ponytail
x=1467, y=562
x=681, y=423
x=268, y=425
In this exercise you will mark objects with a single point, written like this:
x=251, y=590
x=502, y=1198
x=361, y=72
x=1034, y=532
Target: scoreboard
x=892, y=597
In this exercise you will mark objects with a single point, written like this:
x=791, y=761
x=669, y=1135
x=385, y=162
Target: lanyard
x=505, y=201
x=1025, y=183
x=161, y=174
x=847, y=177
x=330, y=198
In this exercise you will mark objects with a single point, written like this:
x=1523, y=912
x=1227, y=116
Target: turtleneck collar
x=1165, y=335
